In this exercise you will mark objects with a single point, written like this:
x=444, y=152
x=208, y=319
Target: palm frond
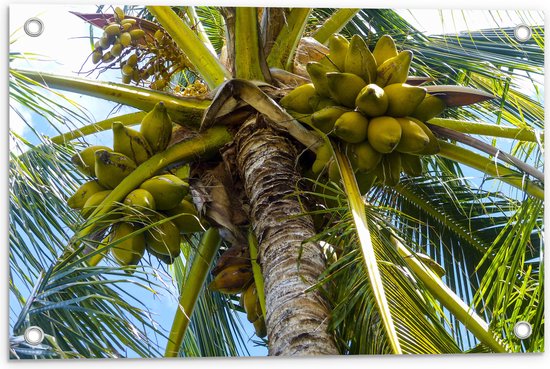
x=212, y=21
x=356, y=321
x=461, y=228
x=510, y=290
x=450, y=222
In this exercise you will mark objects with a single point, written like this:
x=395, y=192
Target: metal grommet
x=34, y=335
x=522, y=33
x=34, y=27
x=522, y=330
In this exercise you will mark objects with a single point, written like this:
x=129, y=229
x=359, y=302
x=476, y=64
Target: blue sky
x=65, y=39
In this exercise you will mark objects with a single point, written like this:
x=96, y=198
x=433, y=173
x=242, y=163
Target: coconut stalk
x=204, y=257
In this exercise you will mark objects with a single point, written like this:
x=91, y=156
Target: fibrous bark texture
x=296, y=320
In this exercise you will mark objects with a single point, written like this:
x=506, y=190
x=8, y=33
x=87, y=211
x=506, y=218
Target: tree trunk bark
x=296, y=320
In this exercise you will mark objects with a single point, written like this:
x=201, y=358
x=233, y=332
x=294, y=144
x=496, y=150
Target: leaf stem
x=185, y=111
x=198, y=27
x=357, y=208
x=104, y=125
x=282, y=52
x=334, y=24
x=490, y=167
x=256, y=269
x=485, y=129
x=208, y=247
x=206, y=63
x=489, y=149
x=248, y=52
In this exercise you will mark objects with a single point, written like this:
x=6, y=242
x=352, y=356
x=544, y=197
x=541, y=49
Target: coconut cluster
x=360, y=98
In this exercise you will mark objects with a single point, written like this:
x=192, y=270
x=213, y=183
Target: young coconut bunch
x=360, y=99
x=161, y=204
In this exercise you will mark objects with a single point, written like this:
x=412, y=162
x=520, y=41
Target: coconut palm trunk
x=296, y=319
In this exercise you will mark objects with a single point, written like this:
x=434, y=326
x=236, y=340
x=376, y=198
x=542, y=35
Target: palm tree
x=335, y=272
